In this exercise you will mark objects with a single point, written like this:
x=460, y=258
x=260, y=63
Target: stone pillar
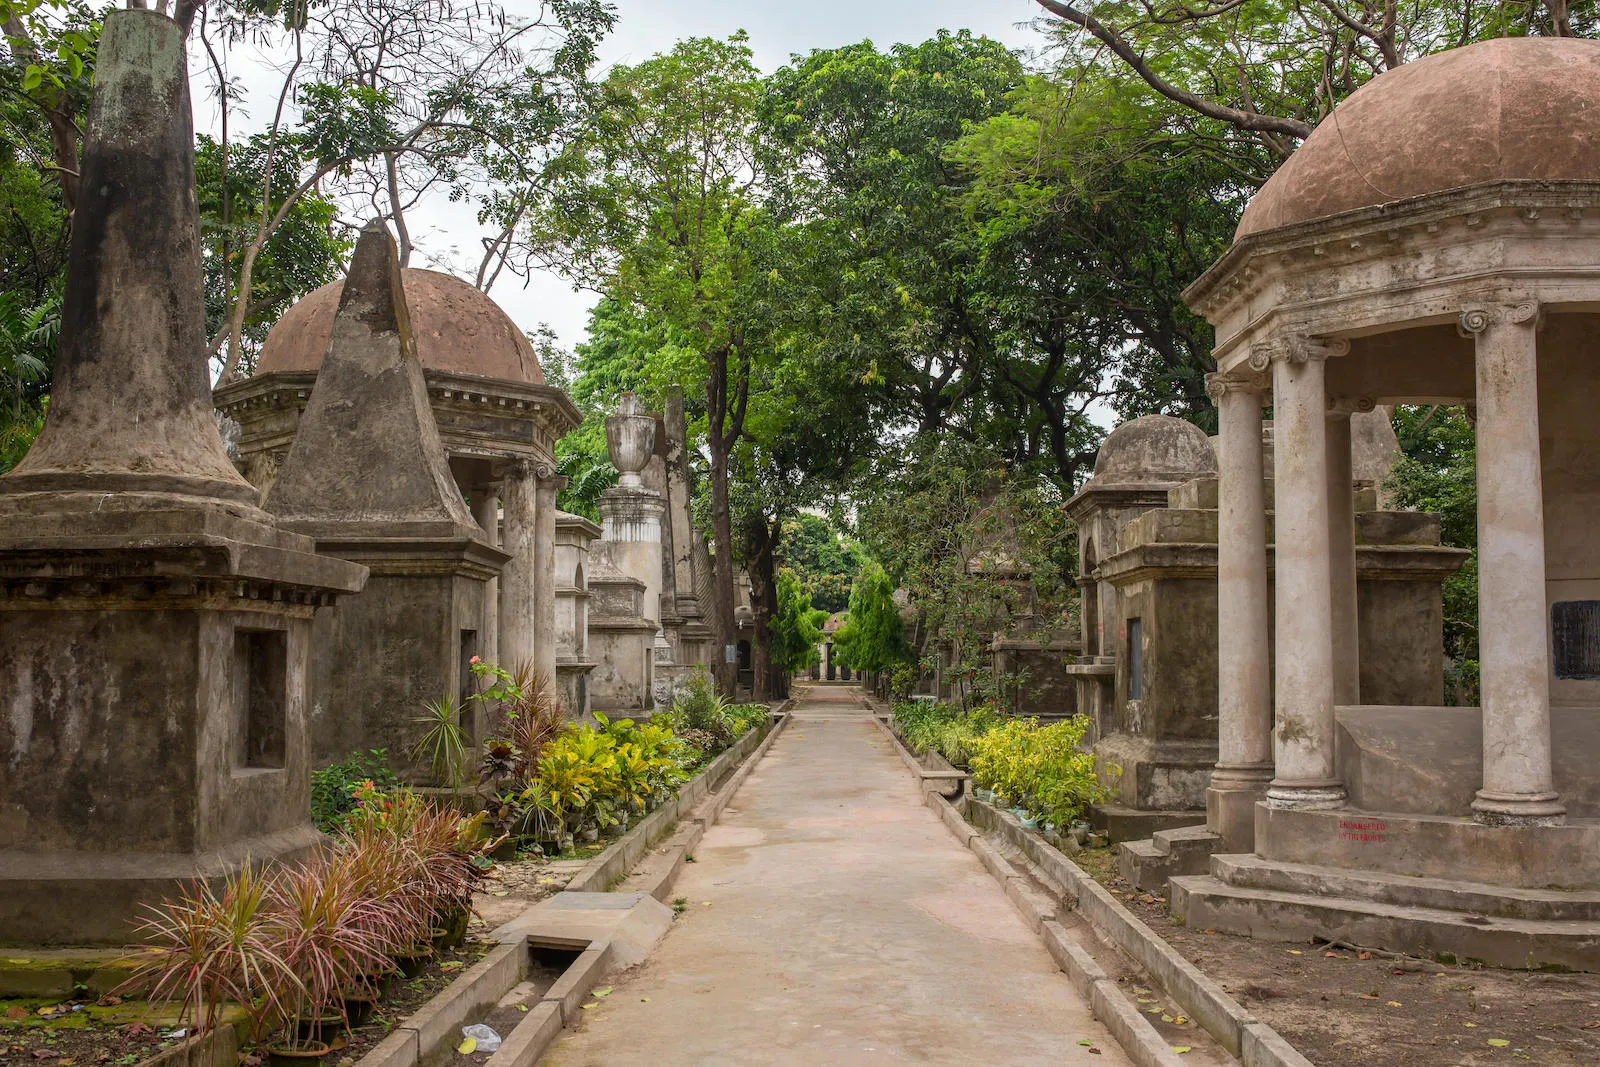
x=544, y=577
x=1342, y=560
x=519, y=623
x=1513, y=642
x=486, y=513
x=1244, y=651
x=1303, y=689
x=155, y=624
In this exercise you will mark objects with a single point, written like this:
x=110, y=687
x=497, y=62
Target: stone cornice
x=1566, y=202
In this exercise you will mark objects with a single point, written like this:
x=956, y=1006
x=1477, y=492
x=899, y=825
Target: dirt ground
x=1342, y=1006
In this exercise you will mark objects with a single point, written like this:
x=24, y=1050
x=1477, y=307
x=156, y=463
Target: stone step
x=1472, y=898
x=1205, y=902
x=1148, y=864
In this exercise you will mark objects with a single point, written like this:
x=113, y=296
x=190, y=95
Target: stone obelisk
x=369, y=479
x=155, y=625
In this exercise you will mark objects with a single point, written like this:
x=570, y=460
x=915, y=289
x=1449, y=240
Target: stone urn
x=631, y=439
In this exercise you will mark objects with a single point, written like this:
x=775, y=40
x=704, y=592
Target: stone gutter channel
x=600, y=928
x=1076, y=916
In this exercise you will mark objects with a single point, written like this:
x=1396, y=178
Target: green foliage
x=796, y=626
x=1040, y=768
x=443, y=743
x=979, y=550
x=1438, y=472
x=873, y=637
x=1044, y=769
x=697, y=711
x=333, y=787
x=824, y=562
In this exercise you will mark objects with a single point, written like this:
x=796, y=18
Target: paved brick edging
x=481, y=986
x=1250, y=1041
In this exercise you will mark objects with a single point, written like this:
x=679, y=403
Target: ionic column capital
x=1295, y=348
x=1221, y=385
x=1475, y=318
x=1350, y=405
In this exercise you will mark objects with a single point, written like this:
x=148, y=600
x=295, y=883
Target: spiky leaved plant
x=327, y=932
x=205, y=950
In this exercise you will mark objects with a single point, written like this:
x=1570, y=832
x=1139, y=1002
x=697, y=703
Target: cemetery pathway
x=831, y=918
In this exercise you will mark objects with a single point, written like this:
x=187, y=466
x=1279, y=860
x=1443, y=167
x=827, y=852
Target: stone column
x=486, y=512
x=1244, y=665
x=519, y=622
x=1342, y=559
x=1513, y=642
x=1303, y=690
x=544, y=577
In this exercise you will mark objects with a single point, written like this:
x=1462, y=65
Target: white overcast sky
x=446, y=232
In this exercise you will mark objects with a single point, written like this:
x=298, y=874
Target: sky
x=448, y=233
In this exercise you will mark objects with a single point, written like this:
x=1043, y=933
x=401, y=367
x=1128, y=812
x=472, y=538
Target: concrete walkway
x=833, y=919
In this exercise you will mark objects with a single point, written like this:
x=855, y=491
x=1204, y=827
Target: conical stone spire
x=367, y=449
x=130, y=400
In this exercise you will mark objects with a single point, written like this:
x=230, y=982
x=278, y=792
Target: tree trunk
x=763, y=602
x=726, y=674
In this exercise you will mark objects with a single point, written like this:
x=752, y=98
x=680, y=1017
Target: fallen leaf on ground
x=644, y=1000
x=468, y=1046
x=1475, y=1024
x=522, y=1007
x=1295, y=952
x=1394, y=1003
x=16, y=1011
x=1363, y=955
x=1085, y=1041
x=1180, y=1020
x=1180, y=1049
x=606, y=992
x=451, y=965
x=586, y=1007
x=1498, y=1042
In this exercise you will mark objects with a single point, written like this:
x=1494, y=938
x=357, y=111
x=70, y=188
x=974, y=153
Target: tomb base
x=155, y=699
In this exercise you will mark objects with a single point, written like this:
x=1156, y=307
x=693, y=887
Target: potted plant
x=203, y=951
x=327, y=933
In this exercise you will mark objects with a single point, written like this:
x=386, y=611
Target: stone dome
x=1154, y=448
x=835, y=621
x=458, y=330
x=1517, y=108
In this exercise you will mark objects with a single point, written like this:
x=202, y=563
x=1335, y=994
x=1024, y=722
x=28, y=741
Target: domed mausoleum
x=492, y=579
x=1434, y=241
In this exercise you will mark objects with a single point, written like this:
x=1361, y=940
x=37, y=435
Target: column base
x=1518, y=809
x=1306, y=796
x=1231, y=803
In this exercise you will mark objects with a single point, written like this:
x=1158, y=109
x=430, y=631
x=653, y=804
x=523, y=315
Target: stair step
x=1145, y=865
x=1476, y=898
x=1203, y=901
x=1195, y=840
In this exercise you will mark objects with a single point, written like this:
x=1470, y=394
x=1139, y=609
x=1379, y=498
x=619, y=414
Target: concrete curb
x=479, y=988
x=624, y=854
x=1246, y=1038
x=692, y=826
x=1243, y=1036
x=948, y=781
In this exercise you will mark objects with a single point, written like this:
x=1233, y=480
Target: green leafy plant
x=443, y=743
x=333, y=787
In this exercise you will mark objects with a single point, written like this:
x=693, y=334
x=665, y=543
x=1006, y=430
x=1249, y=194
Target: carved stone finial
x=631, y=440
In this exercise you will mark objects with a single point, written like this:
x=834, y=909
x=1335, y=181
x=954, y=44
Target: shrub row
x=1042, y=769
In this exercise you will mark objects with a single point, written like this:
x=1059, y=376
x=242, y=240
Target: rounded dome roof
x=457, y=329
x=1154, y=448
x=836, y=620
x=1516, y=108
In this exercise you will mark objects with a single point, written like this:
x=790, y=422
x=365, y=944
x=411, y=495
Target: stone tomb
x=1434, y=241
x=155, y=624
x=497, y=418
x=367, y=477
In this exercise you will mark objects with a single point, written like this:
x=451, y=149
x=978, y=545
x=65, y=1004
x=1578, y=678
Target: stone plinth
x=621, y=638
x=155, y=626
